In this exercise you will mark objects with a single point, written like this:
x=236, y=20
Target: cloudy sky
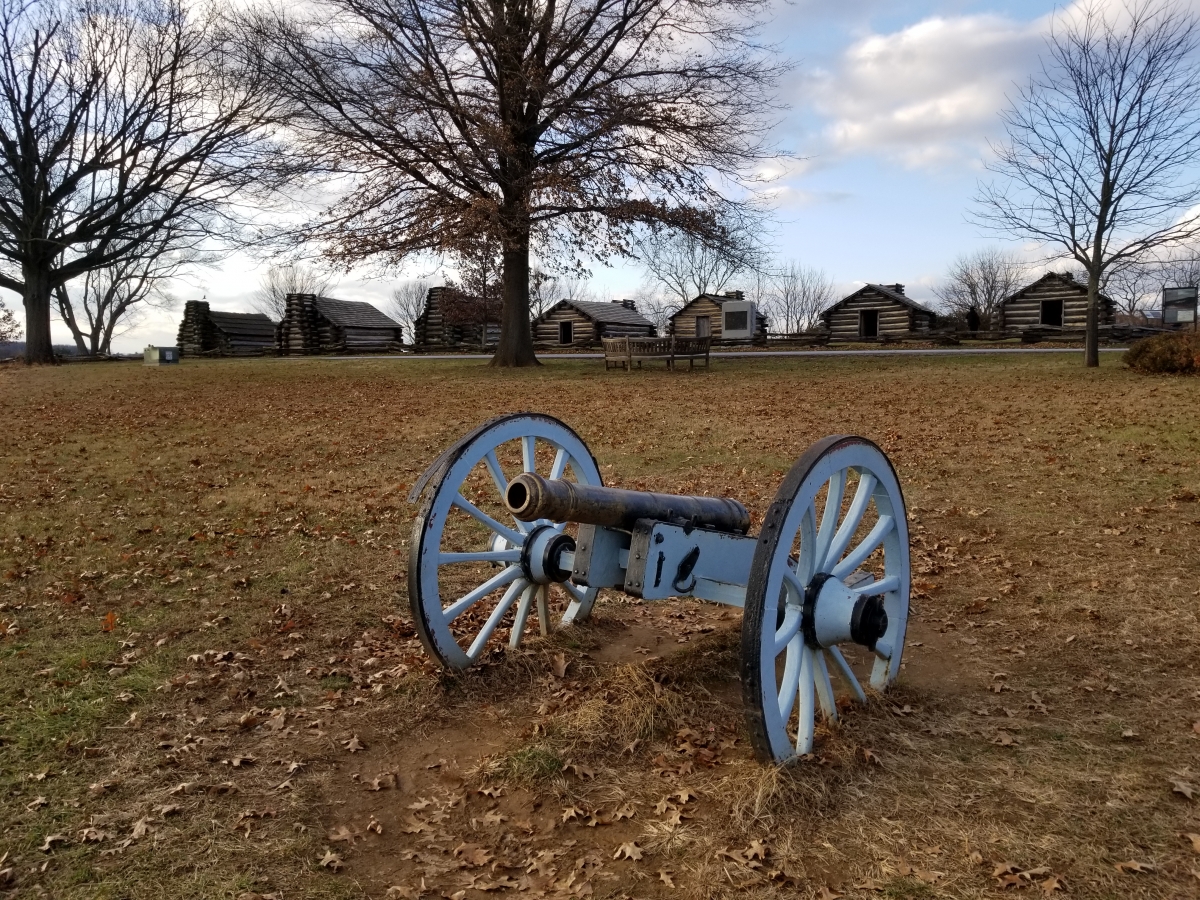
x=891, y=104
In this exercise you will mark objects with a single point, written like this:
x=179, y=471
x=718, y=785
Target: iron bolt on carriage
x=827, y=577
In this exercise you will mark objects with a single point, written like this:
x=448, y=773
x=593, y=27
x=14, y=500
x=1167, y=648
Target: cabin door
x=703, y=326
x=868, y=323
x=1052, y=313
x=565, y=332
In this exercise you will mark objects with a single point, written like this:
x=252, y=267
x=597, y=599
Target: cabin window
x=565, y=332
x=703, y=326
x=868, y=323
x=737, y=321
x=1052, y=313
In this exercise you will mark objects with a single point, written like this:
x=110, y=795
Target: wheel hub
x=834, y=614
x=541, y=555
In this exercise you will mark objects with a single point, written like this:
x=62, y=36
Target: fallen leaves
x=332, y=861
x=1134, y=868
x=354, y=745
x=1185, y=788
x=51, y=840
x=628, y=850
x=1195, y=839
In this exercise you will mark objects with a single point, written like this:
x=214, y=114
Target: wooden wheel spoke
x=870, y=543
x=461, y=605
x=847, y=673
x=807, y=714
x=529, y=453
x=513, y=537
x=829, y=518
x=854, y=515
x=497, y=556
x=790, y=682
x=882, y=586
x=522, y=618
x=493, y=620
x=789, y=629
x=497, y=473
x=576, y=592
x=824, y=686
x=561, y=458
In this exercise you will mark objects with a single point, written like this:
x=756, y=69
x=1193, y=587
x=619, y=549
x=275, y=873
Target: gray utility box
x=162, y=356
x=1179, y=307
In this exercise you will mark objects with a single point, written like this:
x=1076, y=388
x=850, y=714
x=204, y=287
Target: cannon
x=515, y=524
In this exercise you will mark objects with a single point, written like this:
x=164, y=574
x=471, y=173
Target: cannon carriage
x=516, y=526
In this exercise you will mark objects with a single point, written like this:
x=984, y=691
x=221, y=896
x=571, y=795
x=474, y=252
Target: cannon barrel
x=531, y=497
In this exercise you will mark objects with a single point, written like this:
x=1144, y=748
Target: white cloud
x=928, y=94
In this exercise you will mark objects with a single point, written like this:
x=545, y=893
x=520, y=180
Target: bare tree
x=561, y=124
x=1181, y=269
x=118, y=118
x=687, y=265
x=981, y=281
x=408, y=302
x=658, y=305
x=798, y=296
x=104, y=303
x=1132, y=286
x=1099, y=160
x=271, y=297
x=9, y=329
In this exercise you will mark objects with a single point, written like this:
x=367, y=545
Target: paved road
x=731, y=354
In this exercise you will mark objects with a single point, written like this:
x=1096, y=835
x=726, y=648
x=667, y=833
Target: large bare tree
x=798, y=295
x=118, y=118
x=270, y=298
x=980, y=281
x=1100, y=156
x=686, y=264
x=408, y=302
x=10, y=330
x=563, y=124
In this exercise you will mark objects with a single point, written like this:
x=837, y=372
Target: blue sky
x=890, y=104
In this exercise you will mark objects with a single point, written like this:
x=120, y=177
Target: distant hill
x=17, y=348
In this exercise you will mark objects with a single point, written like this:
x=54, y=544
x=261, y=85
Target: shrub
x=1166, y=354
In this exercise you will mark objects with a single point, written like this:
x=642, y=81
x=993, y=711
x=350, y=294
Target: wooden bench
x=625, y=351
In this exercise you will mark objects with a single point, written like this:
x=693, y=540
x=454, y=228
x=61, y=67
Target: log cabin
x=1056, y=300
x=210, y=332
x=451, y=319
x=705, y=317
x=577, y=323
x=877, y=311
x=313, y=324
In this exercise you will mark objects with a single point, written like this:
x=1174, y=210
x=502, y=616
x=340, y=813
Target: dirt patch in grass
x=211, y=686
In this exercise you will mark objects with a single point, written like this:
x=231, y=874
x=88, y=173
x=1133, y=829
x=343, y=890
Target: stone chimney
x=898, y=288
x=735, y=295
x=628, y=304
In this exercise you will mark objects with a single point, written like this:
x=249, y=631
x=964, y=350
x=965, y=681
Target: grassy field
x=210, y=686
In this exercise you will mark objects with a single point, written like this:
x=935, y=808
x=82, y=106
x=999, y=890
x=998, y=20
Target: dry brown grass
x=256, y=509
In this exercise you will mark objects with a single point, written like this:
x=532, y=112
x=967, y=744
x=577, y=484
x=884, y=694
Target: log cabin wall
x=896, y=319
x=431, y=329
x=1025, y=308
x=683, y=323
x=546, y=327
x=590, y=321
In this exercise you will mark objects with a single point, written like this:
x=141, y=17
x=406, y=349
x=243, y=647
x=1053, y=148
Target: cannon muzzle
x=531, y=497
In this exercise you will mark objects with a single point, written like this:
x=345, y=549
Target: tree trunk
x=516, y=338
x=1091, y=336
x=38, y=348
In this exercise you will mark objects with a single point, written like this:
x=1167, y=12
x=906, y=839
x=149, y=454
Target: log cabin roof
x=243, y=323
x=353, y=314
x=605, y=313
x=719, y=299
x=891, y=291
x=1064, y=279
